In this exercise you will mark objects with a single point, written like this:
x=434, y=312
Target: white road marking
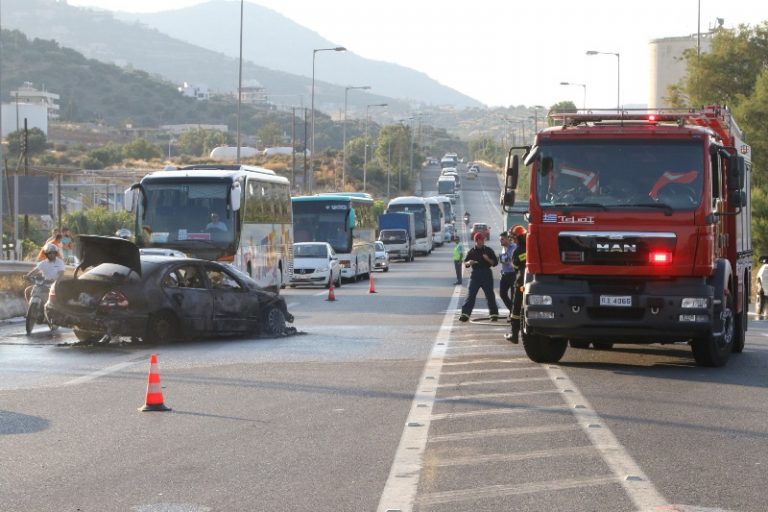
x=573, y=451
x=499, y=432
x=485, y=382
x=498, y=491
x=400, y=489
x=470, y=398
x=491, y=370
x=101, y=373
x=518, y=409
x=505, y=360
x=635, y=483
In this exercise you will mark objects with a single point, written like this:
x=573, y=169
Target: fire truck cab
x=639, y=232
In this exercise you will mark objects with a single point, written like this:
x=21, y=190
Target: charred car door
x=190, y=297
x=235, y=307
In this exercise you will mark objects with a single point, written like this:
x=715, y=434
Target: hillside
x=92, y=91
x=99, y=35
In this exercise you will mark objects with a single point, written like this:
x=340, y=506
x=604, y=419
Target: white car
x=315, y=263
x=382, y=257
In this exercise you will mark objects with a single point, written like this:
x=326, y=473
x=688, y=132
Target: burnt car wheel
x=87, y=336
x=161, y=328
x=272, y=320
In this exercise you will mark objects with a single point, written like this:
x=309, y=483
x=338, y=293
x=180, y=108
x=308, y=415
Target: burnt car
x=116, y=291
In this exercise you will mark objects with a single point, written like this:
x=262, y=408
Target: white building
x=668, y=66
x=29, y=95
x=201, y=92
x=14, y=114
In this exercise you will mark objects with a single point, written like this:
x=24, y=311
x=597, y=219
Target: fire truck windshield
x=620, y=174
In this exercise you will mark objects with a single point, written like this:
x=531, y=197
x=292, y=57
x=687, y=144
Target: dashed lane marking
x=500, y=491
x=491, y=370
x=574, y=451
x=101, y=373
x=494, y=381
x=517, y=409
x=501, y=432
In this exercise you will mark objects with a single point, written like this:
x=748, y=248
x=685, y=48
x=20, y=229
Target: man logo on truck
x=616, y=247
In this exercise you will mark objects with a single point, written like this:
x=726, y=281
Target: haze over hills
x=276, y=42
x=100, y=35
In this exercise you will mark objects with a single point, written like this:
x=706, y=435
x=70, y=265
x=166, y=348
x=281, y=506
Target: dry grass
x=13, y=283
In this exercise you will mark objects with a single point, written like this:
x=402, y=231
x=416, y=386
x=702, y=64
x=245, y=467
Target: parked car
x=761, y=292
x=315, y=263
x=382, y=257
x=116, y=291
x=480, y=227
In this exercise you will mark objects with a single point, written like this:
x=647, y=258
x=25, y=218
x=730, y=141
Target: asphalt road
x=384, y=402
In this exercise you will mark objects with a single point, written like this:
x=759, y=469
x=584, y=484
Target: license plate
x=616, y=300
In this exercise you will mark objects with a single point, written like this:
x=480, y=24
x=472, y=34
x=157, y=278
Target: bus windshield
x=419, y=216
x=316, y=221
x=620, y=174
x=189, y=212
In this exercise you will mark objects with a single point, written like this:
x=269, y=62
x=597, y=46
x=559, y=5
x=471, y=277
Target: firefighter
x=518, y=263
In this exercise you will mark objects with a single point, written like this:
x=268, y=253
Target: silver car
x=382, y=257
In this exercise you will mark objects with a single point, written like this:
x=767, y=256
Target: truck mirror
x=736, y=172
x=738, y=199
x=510, y=180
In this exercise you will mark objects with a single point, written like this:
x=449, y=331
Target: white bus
x=421, y=215
x=446, y=186
x=438, y=220
x=344, y=220
x=448, y=211
x=230, y=213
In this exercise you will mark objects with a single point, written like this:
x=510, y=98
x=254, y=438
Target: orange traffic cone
x=331, y=295
x=154, y=399
x=371, y=285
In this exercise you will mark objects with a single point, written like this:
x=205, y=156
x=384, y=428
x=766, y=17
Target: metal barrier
x=16, y=267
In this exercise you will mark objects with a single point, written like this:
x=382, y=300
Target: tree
x=561, y=107
x=36, y=141
x=140, y=149
x=97, y=221
x=726, y=74
x=103, y=157
x=200, y=142
x=270, y=134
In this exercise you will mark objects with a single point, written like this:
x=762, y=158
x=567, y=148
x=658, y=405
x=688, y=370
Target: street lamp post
x=365, y=142
x=344, y=133
x=584, y=86
x=239, y=86
x=618, y=75
x=312, y=147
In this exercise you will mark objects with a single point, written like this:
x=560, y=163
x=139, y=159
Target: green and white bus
x=344, y=220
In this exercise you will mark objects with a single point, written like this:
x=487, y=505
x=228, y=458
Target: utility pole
x=306, y=168
x=293, y=148
x=26, y=173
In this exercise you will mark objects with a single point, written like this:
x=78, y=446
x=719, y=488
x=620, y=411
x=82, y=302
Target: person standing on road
x=507, y=271
x=458, y=256
x=481, y=259
x=518, y=263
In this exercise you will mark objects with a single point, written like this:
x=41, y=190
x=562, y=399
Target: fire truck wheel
x=710, y=350
x=579, y=344
x=602, y=346
x=541, y=349
x=740, y=327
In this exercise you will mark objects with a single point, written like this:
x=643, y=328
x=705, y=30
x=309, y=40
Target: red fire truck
x=639, y=232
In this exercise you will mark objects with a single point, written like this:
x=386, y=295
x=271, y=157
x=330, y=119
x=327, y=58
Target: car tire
x=87, y=336
x=162, y=327
x=272, y=321
x=386, y=269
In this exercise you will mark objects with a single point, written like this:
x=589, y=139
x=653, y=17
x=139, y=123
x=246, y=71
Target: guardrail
x=16, y=267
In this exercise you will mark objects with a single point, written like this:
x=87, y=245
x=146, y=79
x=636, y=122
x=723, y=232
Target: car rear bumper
x=115, y=323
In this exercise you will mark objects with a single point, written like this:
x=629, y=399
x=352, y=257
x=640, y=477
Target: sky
x=506, y=52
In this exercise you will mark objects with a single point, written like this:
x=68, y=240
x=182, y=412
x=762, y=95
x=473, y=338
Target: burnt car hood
x=95, y=250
